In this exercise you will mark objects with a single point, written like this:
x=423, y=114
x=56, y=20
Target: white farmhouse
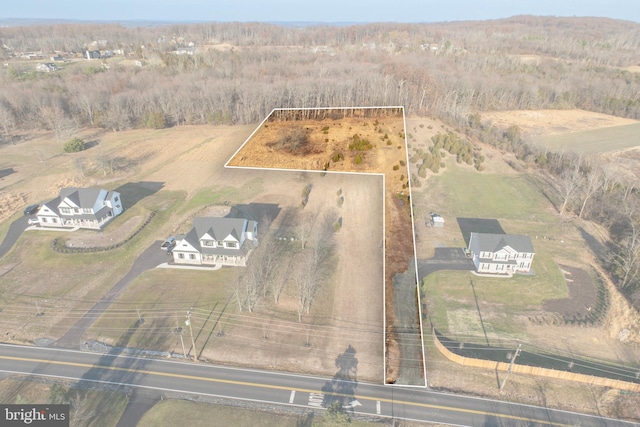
x=217, y=241
x=501, y=253
x=80, y=208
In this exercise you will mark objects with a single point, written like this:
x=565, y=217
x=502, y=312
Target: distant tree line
x=241, y=71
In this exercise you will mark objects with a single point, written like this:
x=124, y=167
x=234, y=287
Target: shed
x=437, y=220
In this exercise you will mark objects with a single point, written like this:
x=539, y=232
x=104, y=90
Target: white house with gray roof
x=217, y=241
x=80, y=208
x=501, y=253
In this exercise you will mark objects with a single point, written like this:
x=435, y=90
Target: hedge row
x=58, y=244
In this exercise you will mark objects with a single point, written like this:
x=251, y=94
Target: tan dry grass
x=550, y=122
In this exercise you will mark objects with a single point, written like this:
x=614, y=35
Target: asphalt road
x=166, y=376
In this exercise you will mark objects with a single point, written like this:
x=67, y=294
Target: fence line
x=533, y=370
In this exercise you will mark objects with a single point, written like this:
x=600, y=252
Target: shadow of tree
x=342, y=387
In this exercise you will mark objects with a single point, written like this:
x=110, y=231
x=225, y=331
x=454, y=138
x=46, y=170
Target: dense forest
x=236, y=73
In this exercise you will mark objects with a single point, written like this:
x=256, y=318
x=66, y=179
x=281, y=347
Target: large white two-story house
x=501, y=253
x=80, y=208
x=217, y=241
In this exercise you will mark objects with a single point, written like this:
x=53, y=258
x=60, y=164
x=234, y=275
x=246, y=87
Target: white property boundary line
x=413, y=232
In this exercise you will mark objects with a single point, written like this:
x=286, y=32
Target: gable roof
x=81, y=197
x=487, y=242
x=220, y=228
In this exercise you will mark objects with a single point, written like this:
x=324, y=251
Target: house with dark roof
x=217, y=241
x=501, y=253
x=80, y=208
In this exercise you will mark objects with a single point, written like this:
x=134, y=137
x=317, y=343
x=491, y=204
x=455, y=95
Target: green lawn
x=465, y=193
x=519, y=205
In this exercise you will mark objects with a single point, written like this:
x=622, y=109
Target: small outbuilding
x=436, y=220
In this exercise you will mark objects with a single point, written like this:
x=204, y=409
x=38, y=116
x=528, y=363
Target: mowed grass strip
x=169, y=413
x=593, y=141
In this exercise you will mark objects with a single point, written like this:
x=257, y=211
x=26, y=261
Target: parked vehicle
x=31, y=209
x=168, y=244
x=33, y=221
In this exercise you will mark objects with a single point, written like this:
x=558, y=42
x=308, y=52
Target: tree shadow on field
x=342, y=387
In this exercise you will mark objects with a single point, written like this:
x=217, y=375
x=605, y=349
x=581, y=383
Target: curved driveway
x=152, y=257
x=15, y=230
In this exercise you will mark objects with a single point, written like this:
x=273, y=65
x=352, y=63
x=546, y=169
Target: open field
x=359, y=140
x=603, y=140
x=184, y=168
x=551, y=122
x=188, y=162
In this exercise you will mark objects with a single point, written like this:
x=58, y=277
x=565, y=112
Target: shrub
x=360, y=144
x=73, y=145
x=337, y=157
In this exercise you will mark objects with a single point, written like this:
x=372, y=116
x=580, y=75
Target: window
x=65, y=210
x=232, y=245
x=116, y=199
x=220, y=244
x=180, y=255
x=192, y=256
x=206, y=242
x=88, y=211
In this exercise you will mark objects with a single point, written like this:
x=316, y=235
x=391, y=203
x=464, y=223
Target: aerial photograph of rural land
x=250, y=213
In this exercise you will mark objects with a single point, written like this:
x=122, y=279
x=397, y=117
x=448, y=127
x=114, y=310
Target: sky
x=318, y=11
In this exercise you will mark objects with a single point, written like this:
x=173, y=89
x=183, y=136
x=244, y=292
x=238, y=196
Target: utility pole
x=513, y=359
x=179, y=332
x=193, y=342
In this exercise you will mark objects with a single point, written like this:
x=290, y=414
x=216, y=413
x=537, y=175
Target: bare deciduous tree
x=568, y=185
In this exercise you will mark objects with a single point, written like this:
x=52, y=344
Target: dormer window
x=65, y=210
x=232, y=245
x=207, y=243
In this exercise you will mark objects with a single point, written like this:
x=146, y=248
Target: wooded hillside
x=237, y=72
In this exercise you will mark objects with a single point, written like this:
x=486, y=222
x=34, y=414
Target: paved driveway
x=445, y=259
x=15, y=230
